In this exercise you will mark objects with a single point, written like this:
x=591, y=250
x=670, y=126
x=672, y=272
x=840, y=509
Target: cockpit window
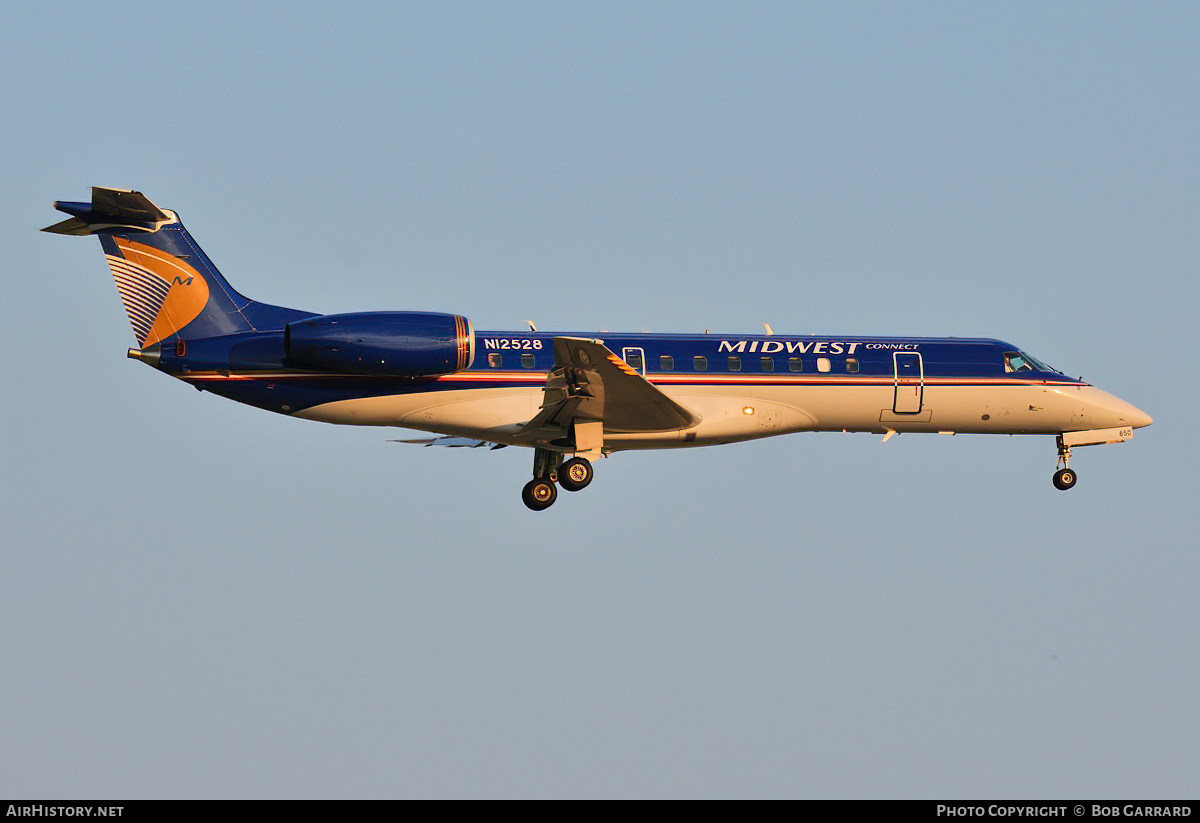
x=1019, y=361
x=1037, y=364
x=1014, y=362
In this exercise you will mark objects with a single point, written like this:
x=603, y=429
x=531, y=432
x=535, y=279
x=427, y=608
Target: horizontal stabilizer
x=451, y=442
x=110, y=208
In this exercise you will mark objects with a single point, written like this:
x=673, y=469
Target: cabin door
x=910, y=382
x=635, y=357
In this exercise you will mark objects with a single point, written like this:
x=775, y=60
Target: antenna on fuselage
x=531, y=326
x=767, y=326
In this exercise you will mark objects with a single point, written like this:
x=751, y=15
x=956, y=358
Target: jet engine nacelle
x=392, y=342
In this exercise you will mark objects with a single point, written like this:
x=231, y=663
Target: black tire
x=539, y=493
x=575, y=474
x=1065, y=479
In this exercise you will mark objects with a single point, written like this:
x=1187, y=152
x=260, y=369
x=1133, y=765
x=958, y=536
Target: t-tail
x=171, y=290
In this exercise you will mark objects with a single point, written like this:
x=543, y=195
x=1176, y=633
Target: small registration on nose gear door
x=910, y=382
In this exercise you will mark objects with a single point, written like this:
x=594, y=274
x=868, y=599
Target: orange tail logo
x=161, y=293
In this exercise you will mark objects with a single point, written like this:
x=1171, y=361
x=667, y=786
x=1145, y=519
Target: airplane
x=572, y=398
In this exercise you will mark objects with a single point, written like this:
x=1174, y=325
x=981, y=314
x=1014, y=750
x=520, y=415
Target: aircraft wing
x=590, y=384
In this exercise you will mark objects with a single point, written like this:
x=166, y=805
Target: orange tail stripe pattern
x=142, y=292
x=161, y=293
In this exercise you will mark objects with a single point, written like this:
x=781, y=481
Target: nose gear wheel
x=1065, y=477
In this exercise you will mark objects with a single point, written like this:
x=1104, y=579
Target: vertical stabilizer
x=168, y=285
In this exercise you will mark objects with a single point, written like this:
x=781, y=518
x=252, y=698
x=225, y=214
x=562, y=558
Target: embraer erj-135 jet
x=570, y=397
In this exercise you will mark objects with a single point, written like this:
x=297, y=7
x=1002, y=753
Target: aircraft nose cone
x=1130, y=415
x=1111, y=410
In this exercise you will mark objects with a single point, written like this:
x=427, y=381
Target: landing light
x=747, y=410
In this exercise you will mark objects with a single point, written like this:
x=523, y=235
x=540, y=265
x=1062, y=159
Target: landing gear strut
x=541, y=492
x=1065, y=477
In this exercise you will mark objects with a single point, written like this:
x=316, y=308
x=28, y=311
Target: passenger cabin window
x=666, y=362
x=495, y=360
x=634, y=360
x=823, y=364
x=528, y=361
x=766, y=363
x=700, y=363
x=795, y=364
x=735, y=364
x=852, y=365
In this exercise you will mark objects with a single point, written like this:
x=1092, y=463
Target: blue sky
x=199, y=599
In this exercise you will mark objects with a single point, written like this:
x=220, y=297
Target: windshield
x=1019, y=361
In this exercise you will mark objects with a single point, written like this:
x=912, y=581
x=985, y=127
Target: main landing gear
x=1065, y=477
x=541, y=492
x=575, y=474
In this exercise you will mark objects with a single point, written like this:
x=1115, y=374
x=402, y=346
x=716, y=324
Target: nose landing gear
x=541, y=492
x=1065, y=477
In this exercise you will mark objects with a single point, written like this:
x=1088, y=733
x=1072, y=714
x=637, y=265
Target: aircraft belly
x=728, y=414
x=732, y=413
x=469, y=412
x=839, y=408
x=1004, y=408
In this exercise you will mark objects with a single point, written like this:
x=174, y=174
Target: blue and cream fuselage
x=741, y=387
x=577, y=395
